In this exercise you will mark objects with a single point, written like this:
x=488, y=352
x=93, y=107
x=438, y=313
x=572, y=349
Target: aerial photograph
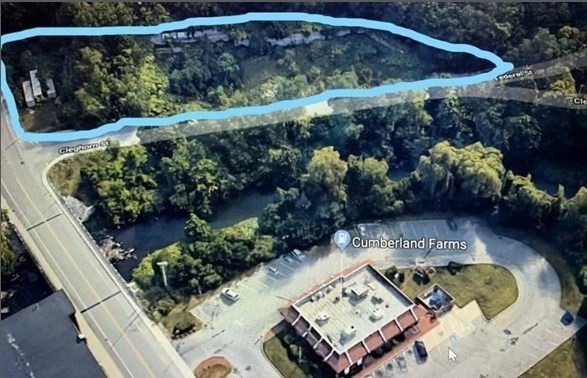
x=293, y=189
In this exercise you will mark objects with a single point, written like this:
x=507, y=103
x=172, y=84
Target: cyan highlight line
x=500, y=68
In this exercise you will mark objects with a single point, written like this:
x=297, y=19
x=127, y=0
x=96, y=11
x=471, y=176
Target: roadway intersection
x=135, y=344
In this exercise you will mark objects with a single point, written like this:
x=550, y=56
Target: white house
x=51, y=92
x=28, y=94
x=36, y=84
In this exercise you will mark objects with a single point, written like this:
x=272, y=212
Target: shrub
x=377, y=353
x=294, y=351
x=390, y=273
x=184, y=325
x=582, y=280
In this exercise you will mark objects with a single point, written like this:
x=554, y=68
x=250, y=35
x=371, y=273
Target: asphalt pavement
x=135, y=344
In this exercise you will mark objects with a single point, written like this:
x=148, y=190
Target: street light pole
x=162, y=265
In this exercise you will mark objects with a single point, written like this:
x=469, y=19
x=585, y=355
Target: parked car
x=230, y=294
x=272, y=270
x=402, y=363
x=288, y=258
x=421, y=349
x=298, y=254
x=567, y=318
x=362, y=230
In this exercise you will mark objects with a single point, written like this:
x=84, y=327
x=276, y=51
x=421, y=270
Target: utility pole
x=162, y=265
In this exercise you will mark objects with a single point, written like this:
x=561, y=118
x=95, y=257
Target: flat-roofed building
x=29, y=99
x=36, y=84
x=348, y=317
x=51, y=92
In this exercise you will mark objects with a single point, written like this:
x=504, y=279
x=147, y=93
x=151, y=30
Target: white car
x=272, y=270
x=298, y=254
x=362, y=230
x=230, y=294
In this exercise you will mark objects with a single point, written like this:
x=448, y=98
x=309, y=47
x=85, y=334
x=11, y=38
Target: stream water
x=148, y=236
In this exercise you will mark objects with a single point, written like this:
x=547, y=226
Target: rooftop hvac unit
x=376, y=313
x=360, y=291
x=348, y=333
x=377, y=298
x=322, y=317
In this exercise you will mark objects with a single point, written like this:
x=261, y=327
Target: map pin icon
x=342, y=239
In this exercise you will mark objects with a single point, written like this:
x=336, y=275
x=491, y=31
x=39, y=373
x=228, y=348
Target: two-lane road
x=135, y=344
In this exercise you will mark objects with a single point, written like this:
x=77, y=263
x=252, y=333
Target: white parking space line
x=248, y=287
x=534, y=356
x=552, y=333
x=285, y=266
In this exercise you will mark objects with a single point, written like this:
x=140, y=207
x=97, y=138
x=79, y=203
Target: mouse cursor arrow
x=452, y=356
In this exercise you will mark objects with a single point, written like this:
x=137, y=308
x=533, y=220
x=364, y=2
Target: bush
x=377, y=353
x=390, y=273
x=388, y=346
x=184, y=324
x=164, y=306
x=582, y=280
x=294, y=352
x=288, y=339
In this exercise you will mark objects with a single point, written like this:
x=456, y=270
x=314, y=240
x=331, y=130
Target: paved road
x=136, y=345
x=233, y=329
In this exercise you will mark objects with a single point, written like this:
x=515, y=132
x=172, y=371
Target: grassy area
x=567, y=361
x=570, y=359
x=492, y=286
x=277, y=354
x=65, y=175
x=40, y=118
x=293, y=357
x=180, y=315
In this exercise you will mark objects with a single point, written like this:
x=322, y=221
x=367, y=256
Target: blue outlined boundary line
x=501, y=67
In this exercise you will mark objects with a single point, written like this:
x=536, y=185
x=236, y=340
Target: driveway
x=507, y=346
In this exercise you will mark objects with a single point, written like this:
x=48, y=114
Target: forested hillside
x=103, y=79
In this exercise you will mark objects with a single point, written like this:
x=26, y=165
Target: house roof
x=41, y=341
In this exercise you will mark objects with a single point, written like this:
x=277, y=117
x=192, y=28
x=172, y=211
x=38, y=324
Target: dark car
x=567, y=318
x=421, y=349
x=452, y=224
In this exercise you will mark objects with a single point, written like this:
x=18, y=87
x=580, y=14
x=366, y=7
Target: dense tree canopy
x=468, y=177
x=9, y=258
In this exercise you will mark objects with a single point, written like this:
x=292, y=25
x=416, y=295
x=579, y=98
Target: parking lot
x=506, y=346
